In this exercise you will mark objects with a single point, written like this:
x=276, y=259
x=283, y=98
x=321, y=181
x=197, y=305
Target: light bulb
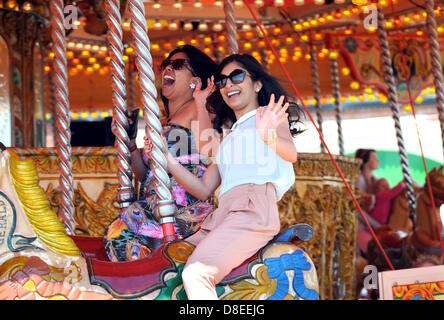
x=173, y=26
x=259, y=3
x=27, y=6
x=246, y=27
x=188, y=26
x=157, y=25
x=218, y=27
x=198, y=4
x=239, y=3
x=203, y=26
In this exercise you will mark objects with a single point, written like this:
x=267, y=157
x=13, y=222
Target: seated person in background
x=365, y=183
x=384, y=197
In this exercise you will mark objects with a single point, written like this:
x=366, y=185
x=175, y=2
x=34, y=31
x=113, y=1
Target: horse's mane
x=45, y=223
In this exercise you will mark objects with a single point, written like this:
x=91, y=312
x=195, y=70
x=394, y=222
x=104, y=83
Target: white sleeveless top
x=245, y=158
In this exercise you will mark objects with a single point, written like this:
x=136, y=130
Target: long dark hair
x=364, y=155
x=201, y=64
x=224, y=115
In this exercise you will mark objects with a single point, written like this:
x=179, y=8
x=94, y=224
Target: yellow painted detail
x=32, y=197
x=30, y=286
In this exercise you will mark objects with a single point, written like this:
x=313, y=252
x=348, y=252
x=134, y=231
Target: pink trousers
x=246, y=220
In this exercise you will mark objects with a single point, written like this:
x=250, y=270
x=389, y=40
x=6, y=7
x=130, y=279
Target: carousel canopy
x=340, y=29
x=298, y=29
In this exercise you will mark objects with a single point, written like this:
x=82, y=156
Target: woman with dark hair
x=366, y=183
x=253, y=168
x=186, y=73
x=366, y=180
x=225, y=116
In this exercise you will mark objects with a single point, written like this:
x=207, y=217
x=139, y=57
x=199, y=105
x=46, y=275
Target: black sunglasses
x=177, y=64
x=236, y=76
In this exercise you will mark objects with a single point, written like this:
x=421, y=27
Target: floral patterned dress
x=136, y=231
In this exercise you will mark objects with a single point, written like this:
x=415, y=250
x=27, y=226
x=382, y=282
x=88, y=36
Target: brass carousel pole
x=393, y=99
x=125, y=193
x=131, y=85
x=231, y=26
x=165, y=207
x=337, y=103
x=131, y=82
x=52, y=104
x=436, y=62
x=63, y=133
x=316, y=89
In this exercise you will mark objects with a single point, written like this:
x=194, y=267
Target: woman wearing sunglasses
x=186, y=73
x=253, y=168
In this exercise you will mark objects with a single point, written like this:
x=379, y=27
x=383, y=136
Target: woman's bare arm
x=202, y=128
x=284, y=145
x=137, y=164
x=201, y=188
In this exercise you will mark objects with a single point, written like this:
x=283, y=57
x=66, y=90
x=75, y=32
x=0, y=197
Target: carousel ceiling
x=292, y=25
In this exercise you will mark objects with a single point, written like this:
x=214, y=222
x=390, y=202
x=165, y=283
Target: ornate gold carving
x=84, y=160
x=102, y=212
x=320, y=199
x=247, y=290
x=91, y=217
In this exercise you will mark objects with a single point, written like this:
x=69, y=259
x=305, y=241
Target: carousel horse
x=403, y=242
x=399, y=214
x=425, y=236
x=38, y=260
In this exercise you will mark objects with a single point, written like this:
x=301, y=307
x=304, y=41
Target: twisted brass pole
x=230, y=23
x=52, y=104
x=337, y=103
x=165, y=207
x=436, y=63
x=316, y=89
x=125, y=193
x=131, y=86
x=393, y=100
x=63, y=133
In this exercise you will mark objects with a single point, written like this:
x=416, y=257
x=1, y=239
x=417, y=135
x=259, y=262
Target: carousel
x=71, y=72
